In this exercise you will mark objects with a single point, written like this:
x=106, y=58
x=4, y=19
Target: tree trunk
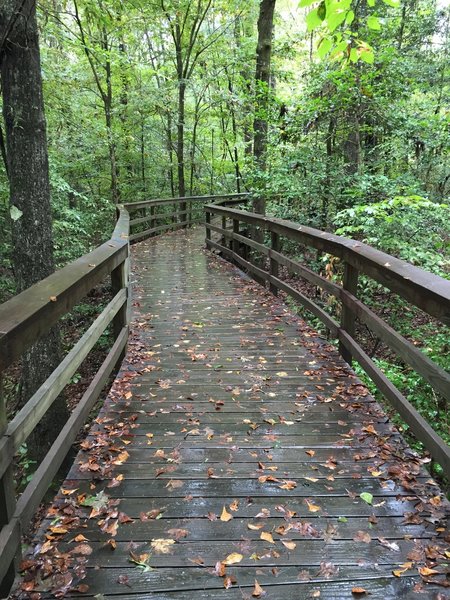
x=262, y=85
x=180, y=147
x=26, y=142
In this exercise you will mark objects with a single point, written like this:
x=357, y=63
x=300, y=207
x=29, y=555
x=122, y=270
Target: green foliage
x=409, y=227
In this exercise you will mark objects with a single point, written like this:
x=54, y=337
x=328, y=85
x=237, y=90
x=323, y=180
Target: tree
x=31, y=221
x=262, y=86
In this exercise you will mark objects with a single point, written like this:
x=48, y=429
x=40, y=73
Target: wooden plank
x=418, y=425
x=29, y=416
x=44, y=474
x=27, y=316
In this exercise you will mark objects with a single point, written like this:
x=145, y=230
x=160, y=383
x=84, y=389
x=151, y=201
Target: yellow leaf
x=233, y=558
x=282, y=374
x=312, y=507
x=255, y=527
x=225, y=516
x=267, y=536
x=426, y=572
x=289, y=545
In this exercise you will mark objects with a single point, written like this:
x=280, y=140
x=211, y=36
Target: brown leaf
x=257, y=590
x=359, y=591
x=178, y=533
x=83, y=549
x=362, y=536
x=219, y=569
x=228, y=581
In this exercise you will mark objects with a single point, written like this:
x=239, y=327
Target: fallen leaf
x=312, y=507
x=257, y=590
x=267, y=537
x=162, y=545
x=233, y=558
x=289, y=545
x=225, y=516
x=362, y=536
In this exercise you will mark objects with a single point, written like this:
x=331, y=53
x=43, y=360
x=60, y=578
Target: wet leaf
x=225, y=516
x=258, y=590
x=162, y=545
x=233, y=559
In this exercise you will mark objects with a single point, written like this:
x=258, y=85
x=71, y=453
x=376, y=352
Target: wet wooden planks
x=227, y=400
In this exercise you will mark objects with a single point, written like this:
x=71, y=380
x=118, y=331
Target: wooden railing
x=160, y=216
x=23, y=320
x=422, y=289
x=29, y=315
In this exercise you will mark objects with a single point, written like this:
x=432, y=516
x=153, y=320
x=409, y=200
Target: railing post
x=208, y=230
x=7, y=501
x=350, y=284
x=223, y=241
x=235, y=242
x=152, y=217
x=119, y=281
x=275, y=243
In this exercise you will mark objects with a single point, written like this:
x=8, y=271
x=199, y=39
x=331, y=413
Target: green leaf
x=313, y=20
x=324, y=47
x=15, y=213
x=366, y=55
x=304, y=3
x=342, y=519
x=367, y=497
x=371, y=2
x=354, y=55
x=393, y=3
x=350, y=17
x=322, y=11
x=335, y=19
x=373, y=23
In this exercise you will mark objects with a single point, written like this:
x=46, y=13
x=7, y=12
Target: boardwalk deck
x=228, y=406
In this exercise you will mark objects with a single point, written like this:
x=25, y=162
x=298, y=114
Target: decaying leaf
x=162, y=545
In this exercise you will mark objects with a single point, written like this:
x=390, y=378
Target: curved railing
x=422, y=289
x=28, y=316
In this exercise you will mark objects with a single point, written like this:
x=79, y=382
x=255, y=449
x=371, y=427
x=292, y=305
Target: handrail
x=31, y=314
x=184, y=213
x=422, y=289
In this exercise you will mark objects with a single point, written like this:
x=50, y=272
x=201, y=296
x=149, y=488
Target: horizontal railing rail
x=420, y=288
x=31, y=314
x=175, y=213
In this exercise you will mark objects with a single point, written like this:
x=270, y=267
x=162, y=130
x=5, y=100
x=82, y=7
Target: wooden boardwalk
x=236, y=446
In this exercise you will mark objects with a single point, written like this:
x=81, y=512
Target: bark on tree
x=32, y=241
x=262, y=85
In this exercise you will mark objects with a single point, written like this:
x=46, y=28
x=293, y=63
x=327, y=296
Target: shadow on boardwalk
x=236, y=450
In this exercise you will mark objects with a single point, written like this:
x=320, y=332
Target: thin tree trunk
x=262, y=84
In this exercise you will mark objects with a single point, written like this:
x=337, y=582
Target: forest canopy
x=153, y=99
